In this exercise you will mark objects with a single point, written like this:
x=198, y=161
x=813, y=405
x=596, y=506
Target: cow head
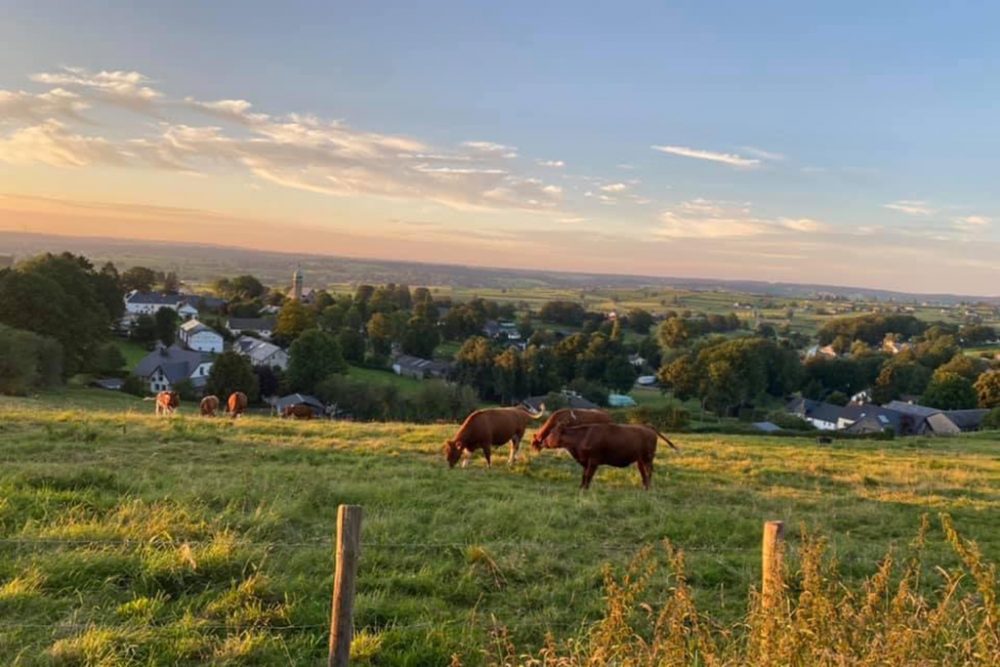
x=453, y=452
x=173, y=399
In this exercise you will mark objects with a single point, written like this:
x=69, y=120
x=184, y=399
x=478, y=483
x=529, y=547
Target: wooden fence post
x=348, y=548
x=771, y=550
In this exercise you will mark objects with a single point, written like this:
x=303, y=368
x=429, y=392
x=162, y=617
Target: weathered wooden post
x=771, y=551
x=348, y=548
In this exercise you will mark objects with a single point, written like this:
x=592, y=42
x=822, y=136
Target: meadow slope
x=126, y=539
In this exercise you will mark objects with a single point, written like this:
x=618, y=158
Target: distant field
x=133, y=352
x=126, y=539
x=407, y=386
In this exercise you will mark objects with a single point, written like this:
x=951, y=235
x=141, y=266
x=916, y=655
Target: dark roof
x=913, y=409
x=808, y=408
x=176, y=362
x=111, y=384
x=299, y=399
x=206, y=302
x=421, y=365
x=255, y=348
x=871, y=415
x=967, y=420
x=578, y=402
x=154, y=298
x=251, y=323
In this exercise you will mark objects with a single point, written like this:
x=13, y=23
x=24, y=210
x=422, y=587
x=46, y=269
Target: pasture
x=126, y=539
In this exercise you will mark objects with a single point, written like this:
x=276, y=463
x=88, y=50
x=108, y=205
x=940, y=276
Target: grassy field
x=407, y=386
x=126, y=539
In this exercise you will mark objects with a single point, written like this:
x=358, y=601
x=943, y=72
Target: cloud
x=730, y=159
x=971, y=223
x=124, y=88
x=614, y=187
x=554, y=164
x=910, y=207
x=763, y=154
x=293, y=150
x=706, y=219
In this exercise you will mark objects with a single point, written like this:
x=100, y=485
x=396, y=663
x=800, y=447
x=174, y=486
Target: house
x=200, y=337
x=319, y=410
x=494, y=329
x=621, y=401
x=147, y=303
x=931, y=421
x=826, y=351
x=111, y=384
x=163, y=368
x=637, y=360
x=862, y=418
x=415, y=367
x=261, y=352
x=823, y=416
x=209, y=303
x=261, y=326
x=572, y=399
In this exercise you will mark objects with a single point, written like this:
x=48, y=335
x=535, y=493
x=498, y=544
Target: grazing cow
x=297, y=411
x=485, y=429
x=568, y=417
x=167, y=402
x=237, y=404
x=617, y=445
x=209, y=406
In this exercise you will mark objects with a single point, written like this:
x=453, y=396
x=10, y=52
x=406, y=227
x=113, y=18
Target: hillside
x=126, y=539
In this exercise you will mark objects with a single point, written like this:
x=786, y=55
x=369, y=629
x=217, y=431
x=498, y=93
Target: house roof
x=422, y=365
x=810, y=409
x=872, y=414
x=111, y=384
x=913, y=409
x=194, y=326
x=577, y=402
x=258, y=350
x=967, y=420
x=299, y=399
x=251, y=323
x=175, y=361
x=766, y=427
x=153, y=298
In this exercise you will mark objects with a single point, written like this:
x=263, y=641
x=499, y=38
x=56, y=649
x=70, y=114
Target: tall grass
x=817, y=619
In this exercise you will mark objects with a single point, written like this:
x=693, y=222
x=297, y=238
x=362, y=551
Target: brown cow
x=298, y=411
x=568, y=417
x=485, y=429
x=617, y=445
x=209, y=406
x=237, y=404
x=167, y=402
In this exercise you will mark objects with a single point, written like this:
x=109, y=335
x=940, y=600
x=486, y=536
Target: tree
x=619, y=374
x=562, y=312
x=166, y=320
x=28, y=361
x=991, y=422
x=977, y=334
x=293, y=319
x=420, y=338
x=313, y=357
x=950, y=391
x=508, y=375
x=639, y=320
x=674, y=332
x=269, y=380
x=352, y=345
x=138, y=278
x=245, y=287
x=230, y=373
x=171, y=283
x=143, y=329
x=380, y=334
x=108, y=359
x=474, y=365
x=988, y=390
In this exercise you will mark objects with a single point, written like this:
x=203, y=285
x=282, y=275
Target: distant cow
x=568, y=417
x=209, y=406
x=617, y=445
x=485, y=429
x=167, y=402
x=298, y=411
x=237, y=404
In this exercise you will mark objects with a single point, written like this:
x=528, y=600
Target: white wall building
x=196, y=336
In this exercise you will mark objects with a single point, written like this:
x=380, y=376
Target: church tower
x=297, y=281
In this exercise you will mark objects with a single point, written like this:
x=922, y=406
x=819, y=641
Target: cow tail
x=665, y=438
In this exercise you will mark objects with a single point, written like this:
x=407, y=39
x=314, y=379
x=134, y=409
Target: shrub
x=28, y=361
x=135, y=385
x=991, y=422
x=667, y=418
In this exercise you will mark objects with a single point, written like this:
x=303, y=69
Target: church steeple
x=297, y=281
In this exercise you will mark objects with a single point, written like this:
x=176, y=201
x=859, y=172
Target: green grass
x=126, y=539
x=132, y=351
x=407, y=386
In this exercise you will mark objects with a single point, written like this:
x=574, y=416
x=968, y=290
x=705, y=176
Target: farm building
x=508, y=330
x=421, y=369
x=200, y=337
x=317, y=406
x=823, y=416
x=572, y=401
x=261, y=353
x=931, y=421
x=866, y=418
x=260, y=326
x=162, y=369
x=147, y=303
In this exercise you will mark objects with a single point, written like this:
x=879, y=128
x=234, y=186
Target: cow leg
x=515, y=445
x=488, y=454
x=466, y=455
x=646, y=472
x=588, y=474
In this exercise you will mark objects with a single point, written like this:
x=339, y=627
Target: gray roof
x=258, y=350
x=251, y=323
x=875, y=414
x=111, y=384
x=578, y=402
x=176, y=363
x=766, y=427
x=810, y=409
x=967, y=420
x=299, y=399
x=153, y=298
x=912, y=409
x=194, y=326
x=421, y=365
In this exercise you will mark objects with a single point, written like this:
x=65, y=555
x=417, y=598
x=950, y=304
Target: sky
x=847, y=143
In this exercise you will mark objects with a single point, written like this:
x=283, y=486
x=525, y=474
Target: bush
x=185, y=389
x=991, y=422
x=135, y=385
x=790, y=422
x=668, y=418
x=28, y=361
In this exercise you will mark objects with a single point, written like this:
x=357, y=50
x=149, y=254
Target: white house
x=162, y=369
x=261, y=353
x=824, y=416
x=199, y=337
x=261, y=326
x=147, y=303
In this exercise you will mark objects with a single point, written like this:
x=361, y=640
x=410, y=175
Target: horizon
x=687, y=142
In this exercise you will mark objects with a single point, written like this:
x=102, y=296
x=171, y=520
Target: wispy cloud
x=910, y=207
x=763, y=154
x=707, y=219
x=125, y=88
x=554, y=164
x=614, y=187
x=971, y=223
x=491, y=148
x=730, y=159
